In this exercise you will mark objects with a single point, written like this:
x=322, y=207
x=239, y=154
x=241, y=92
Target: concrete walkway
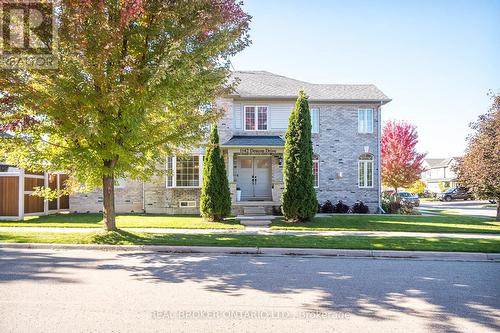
x=261, y=231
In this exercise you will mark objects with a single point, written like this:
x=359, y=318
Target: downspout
x=379, y=139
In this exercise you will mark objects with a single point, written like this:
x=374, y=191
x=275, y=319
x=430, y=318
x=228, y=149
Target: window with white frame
x=184, y=203
x=365, y=171
x=256, y=118
x=315, y=120
x=316, y=172
x=184, y=171
x=365, y=121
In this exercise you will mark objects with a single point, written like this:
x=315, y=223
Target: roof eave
x=261, y=97
x=250, y=146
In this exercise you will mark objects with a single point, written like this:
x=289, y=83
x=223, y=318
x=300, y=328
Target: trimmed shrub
x=359, y=208
x=407, y=208
x=215, y=198
x=390, y=203
x=341, y=208
x=277, y=211
x=327, y=207
x=298, y=200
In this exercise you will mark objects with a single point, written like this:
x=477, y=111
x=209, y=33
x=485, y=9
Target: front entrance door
x=254, y=177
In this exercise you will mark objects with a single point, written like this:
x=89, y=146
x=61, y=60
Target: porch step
x=255, y=221
x=254, y=211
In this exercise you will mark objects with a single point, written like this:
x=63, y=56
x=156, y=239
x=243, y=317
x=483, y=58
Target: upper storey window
x=315, y=120
x=256, y=118
x=365, y=121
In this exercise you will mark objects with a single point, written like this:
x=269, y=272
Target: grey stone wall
x=128, y=199
x=339, y=146
x=162, y=200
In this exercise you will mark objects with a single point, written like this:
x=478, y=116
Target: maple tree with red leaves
x=401, y=163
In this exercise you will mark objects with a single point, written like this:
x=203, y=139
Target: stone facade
x=338, y=146
x=128, y=199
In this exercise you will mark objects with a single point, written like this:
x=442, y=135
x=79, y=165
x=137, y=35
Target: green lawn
x=322, y=242
x=122, y=221
x=428, y=199
x=440, y=223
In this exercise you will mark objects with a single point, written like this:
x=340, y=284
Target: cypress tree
x=215, y=200
x=299, y=201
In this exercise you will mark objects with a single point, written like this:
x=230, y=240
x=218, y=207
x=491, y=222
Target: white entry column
x=230, y=166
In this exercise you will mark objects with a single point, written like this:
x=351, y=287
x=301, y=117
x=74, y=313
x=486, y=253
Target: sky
x=437, y=60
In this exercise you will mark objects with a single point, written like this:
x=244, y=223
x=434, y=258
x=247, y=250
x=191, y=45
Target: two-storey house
x=439, y=170
x=346, y=132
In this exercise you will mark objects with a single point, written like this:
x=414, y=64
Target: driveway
x=83, y=291
x=461, y=207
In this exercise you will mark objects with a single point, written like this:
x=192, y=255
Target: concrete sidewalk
x=261, y=231
x=267, y=251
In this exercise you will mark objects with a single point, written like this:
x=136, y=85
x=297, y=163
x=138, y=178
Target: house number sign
x=252, y=151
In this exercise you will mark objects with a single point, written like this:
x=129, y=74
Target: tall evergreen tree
x=299, y=201
x=215, y=200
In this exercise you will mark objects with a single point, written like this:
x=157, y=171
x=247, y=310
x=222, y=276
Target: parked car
x=456, y=193
x=409, y=197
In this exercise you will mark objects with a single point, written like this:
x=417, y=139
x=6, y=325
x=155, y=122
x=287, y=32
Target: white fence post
x=21, y=194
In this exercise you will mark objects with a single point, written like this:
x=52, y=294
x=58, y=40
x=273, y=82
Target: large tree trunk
x=108, y=191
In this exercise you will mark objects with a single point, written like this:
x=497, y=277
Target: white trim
x=369, y=126
x=21, y=195
x=256, y=114
x=45, y=201
x=317, y=120
x=317, y=161
x=190, y=203
x=27, y=175
x=379, y=164
x=10, y=174
x=174, y=172
x=365, y=169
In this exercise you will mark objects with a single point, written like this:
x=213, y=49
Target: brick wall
x=128, y=199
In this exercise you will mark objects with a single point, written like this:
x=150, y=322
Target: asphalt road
x=91, y=291
x=461, y=207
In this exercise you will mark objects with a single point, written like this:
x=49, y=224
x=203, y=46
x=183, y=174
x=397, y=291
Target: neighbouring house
x=346, y=132
x=439, y=170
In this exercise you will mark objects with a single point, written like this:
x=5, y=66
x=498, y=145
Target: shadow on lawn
x=410, y=223
x=83, y=218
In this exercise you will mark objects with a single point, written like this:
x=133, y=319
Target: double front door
x=254, y=177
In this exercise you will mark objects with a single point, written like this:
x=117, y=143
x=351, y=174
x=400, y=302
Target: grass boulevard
x=442, y=223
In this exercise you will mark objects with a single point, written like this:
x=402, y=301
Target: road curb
x=345, y=253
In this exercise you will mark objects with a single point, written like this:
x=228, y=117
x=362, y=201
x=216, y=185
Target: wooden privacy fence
x=16, y=187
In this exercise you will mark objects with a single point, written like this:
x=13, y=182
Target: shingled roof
x=255, y=140
x=439, y=162
x=262, y=84
x=5, y=135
